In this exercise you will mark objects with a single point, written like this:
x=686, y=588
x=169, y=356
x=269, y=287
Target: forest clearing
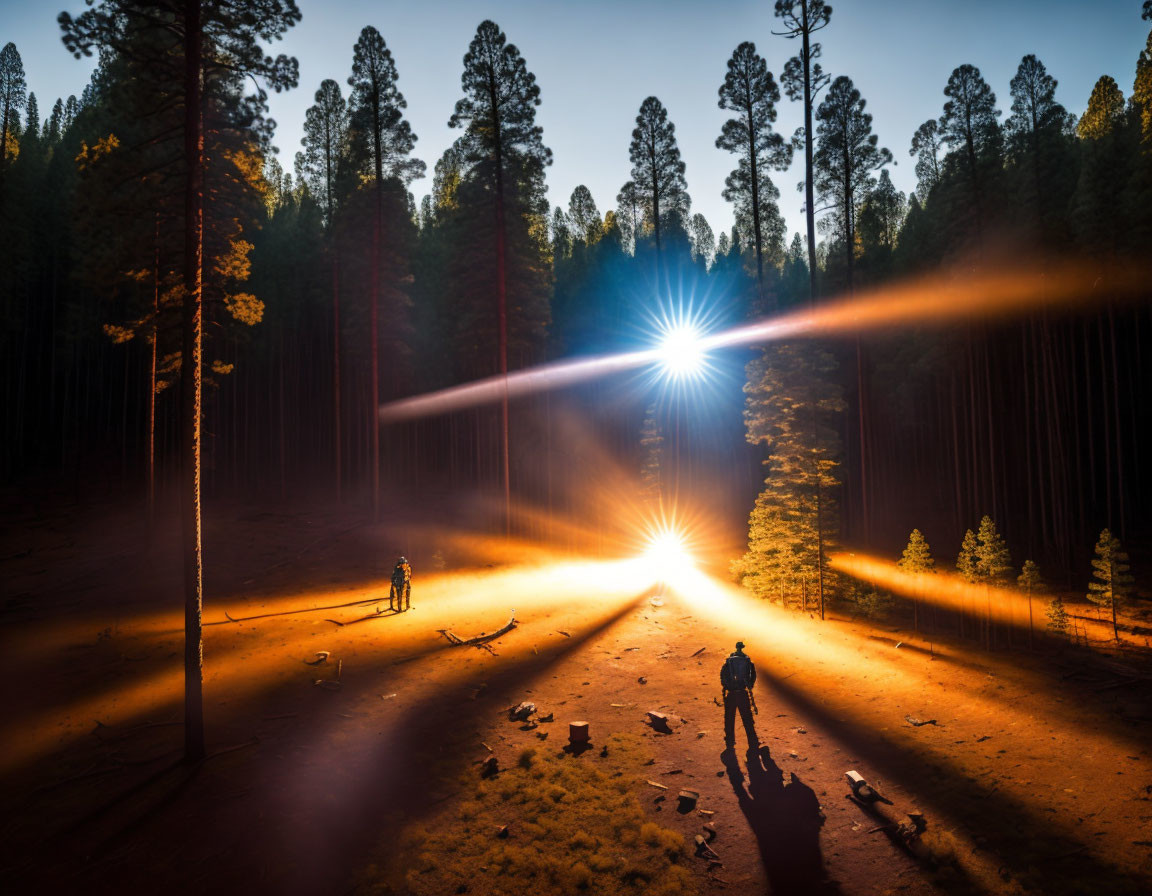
x=335, y=790
x=422, y=439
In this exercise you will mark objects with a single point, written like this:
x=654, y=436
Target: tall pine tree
x=197, y=44
x=657, y=169
x=803, y=79
x=504, y=147
x=1110, y=570
x=382, y=141
x=750, y=91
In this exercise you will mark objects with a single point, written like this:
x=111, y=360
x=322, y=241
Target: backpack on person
x=737, y=672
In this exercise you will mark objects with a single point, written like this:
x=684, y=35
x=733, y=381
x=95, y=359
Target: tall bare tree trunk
x=753, y=166
x=336, y=371
x=502, y=309
x=809, y=200
x=374, y=339
x=190, y=388
x=151, y=460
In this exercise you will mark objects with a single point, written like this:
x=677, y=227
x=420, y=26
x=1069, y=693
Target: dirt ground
x=1033, y=771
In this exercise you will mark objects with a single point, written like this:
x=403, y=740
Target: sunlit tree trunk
x=502, y=305
x=337, y=448
x=154, y=338
x=190, y=387
x=809, y=201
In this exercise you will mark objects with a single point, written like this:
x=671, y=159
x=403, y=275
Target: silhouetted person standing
x=400, y=595
x=737, y=676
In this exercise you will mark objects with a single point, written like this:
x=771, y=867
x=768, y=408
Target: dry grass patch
x=574, y=826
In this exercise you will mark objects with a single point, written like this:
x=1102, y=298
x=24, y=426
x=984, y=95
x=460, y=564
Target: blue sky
x=597, y=60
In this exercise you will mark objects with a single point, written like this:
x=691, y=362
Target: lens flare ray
x=930, y=301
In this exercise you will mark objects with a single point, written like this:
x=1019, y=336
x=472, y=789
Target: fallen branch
x=482, y=638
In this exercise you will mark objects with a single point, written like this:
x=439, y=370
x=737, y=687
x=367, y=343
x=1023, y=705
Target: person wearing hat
x=737, y=676
x=400, y=595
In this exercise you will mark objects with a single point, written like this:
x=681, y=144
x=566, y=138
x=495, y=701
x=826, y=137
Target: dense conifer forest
x=326, y=290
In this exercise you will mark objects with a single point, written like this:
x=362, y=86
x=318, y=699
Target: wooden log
x=903, y=827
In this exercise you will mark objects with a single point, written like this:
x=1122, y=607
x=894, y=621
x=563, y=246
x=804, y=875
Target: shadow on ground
x=786, y=821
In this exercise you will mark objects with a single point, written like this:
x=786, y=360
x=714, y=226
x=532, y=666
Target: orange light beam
x=1003, y=605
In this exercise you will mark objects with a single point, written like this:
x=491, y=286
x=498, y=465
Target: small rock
x=502, y=832
x=491, y=767
x=642, y=680
x=688, y=799
x=521, y=711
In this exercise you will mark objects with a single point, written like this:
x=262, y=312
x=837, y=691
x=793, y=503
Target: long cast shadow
x=1016, y=827
x=786, y=821
x=318, y=829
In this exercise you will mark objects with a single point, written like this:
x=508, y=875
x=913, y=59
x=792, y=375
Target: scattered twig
x=658, y=785
x=698, y=652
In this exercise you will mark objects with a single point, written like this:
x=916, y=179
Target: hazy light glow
x=682, y=352
x=1004, y=605
x=943, y=299
x=246, y=659
x=667, y=555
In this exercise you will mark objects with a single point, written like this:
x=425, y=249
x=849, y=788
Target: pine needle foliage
x=1112, y=583
x=966, y=563
x=993, y=562
x=794, y=407
x=917, y=556
x=1057, y=617
x=1029, y=578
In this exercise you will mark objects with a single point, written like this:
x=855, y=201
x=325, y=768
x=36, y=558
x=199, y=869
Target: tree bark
x=809, y=207
x=151, y=459
x=374, y=336
x=190, y=388
x=337, y=447
x=754, y=169
x=502, y=306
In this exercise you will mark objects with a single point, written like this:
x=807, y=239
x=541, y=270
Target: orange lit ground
x=1043, y=785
